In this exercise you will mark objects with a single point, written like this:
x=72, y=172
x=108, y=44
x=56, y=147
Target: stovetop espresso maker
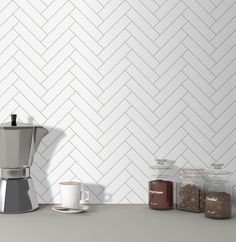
x=18, y=143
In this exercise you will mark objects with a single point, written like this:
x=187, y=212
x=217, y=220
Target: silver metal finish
x=17, y=196
x=17, y=173
x=18, y=143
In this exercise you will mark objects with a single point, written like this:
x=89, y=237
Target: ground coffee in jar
x=161, y=185
x=218, y=193
x=218, y=205
x=160, y=194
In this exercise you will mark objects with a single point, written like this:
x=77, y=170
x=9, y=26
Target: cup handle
x=85, y=196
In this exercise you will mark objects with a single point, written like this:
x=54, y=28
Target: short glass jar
x=161, y=186
x=190, y=190
x=218, y=193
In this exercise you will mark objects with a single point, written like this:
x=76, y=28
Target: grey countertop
x=115, y=223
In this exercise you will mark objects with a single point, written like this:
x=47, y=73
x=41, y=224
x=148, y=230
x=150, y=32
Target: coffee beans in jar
x=190, y=198
x=218, y=205
x=190, y=191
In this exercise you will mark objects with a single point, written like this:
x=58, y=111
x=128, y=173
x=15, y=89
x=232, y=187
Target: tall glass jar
x=161, y=186
x=218, y=193
x=190, y=190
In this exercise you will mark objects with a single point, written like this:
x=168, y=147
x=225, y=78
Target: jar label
x=211, y=199
x=157, y=192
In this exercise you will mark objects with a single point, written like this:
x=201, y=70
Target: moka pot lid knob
x=13, y=119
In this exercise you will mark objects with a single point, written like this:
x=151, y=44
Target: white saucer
x=80, y=209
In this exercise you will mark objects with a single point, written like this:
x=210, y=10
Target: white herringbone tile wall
x=118, y=83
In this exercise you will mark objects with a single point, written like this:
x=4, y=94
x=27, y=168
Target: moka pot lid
x=17, y=125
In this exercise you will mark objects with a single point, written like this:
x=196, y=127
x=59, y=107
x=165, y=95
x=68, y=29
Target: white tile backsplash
x=118, y=83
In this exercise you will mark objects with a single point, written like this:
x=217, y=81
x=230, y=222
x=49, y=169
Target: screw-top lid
x=162, y=164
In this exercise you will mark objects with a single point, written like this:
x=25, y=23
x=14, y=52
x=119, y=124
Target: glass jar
x=161, y=185
x=190, y=190
x=218, y=193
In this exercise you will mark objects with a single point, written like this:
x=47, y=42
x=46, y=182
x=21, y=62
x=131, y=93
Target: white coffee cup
x=72, y=194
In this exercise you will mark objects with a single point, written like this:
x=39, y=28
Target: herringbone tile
x=118, y=83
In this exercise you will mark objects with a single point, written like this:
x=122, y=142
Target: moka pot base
x=17, y=196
